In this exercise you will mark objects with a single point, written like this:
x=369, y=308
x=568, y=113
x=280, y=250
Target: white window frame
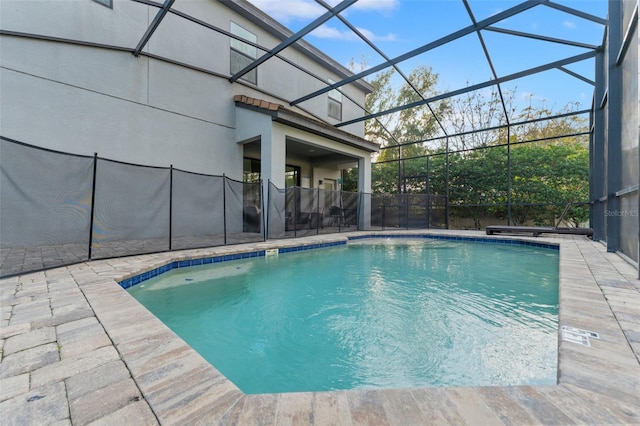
x=244, y=51
x=334, y=102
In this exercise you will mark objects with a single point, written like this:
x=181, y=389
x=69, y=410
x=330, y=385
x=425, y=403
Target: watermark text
x=621, y=213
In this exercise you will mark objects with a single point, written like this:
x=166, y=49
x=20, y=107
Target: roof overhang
x=282, y=115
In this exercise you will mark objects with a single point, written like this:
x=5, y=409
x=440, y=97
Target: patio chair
x=251, y=219
x=335, y=216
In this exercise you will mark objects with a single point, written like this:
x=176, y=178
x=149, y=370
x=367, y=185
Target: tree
x=544, y=177
x=477, y=110
x=553, y=169
x=395, y=129
x=544, y=174
x=478, y=183
x=407, y=125
x=537, y=166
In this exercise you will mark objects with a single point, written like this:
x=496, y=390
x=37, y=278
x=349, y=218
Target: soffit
x=285, y=116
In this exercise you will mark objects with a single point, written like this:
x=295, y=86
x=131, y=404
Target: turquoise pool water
x=380, y=313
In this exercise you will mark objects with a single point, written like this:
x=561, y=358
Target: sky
x=399, y=26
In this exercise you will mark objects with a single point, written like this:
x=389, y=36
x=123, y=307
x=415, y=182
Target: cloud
x=333, y=33
x=373, y=37
x=376, y=5
x=569, y=24
x=305, y=10
x=290, y=10
x=327, y=32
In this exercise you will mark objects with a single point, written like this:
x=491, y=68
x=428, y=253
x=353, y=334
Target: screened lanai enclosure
x=463, y=141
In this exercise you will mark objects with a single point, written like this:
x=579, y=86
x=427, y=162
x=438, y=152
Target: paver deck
x=78, y=349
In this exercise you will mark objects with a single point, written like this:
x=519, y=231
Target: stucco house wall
x=171, y=105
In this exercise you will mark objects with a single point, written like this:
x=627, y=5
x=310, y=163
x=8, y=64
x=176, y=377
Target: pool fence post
x=446, y=172
x=170, y=205
x=341, y=213
x=93, y=202
x=224, y=206
x=406, y=206
x=428, y=201
x=295, y=211
x=264, y=213
x=384, y=210
x=360, y=211
x=508, y=175
x=426, y=185
x=318, y=211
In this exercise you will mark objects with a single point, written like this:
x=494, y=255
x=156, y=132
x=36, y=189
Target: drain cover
x=577, y=335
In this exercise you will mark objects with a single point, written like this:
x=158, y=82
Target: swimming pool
x=439, y=313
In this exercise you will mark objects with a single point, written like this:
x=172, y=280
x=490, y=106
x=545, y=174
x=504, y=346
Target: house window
x=108, y=3
x=242, y=54
x=292, y=176
x=335, y=103
x=251, y=173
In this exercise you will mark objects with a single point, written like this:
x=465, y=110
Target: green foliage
x=545, y=174
x=350, y=180
x=408, y=125
x=549, y=173
x=479, y=180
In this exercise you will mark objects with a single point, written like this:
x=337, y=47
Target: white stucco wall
x=135, y=120
x=83, y=99
x=83, y=20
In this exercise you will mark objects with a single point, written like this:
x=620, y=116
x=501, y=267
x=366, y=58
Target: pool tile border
x=310, y=247
x=177, y=264
x=508, y=241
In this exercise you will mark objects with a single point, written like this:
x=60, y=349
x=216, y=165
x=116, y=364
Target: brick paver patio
x=78, y=349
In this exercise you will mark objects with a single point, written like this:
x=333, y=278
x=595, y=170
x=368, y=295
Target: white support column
x=364, y=174
x=273, y=150
x=273, y=154
x=364, y=186
x=251, y=125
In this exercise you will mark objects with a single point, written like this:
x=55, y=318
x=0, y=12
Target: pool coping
x=171, y=383
x=146, y=273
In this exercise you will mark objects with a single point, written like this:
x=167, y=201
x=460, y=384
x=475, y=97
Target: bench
x=537, y=230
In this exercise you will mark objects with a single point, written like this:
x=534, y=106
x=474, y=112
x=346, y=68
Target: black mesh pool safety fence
x=408, y=211
x=58, y=209
x=45, y=208
x=297, y=212
x=198, y=215
x=131, y=209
